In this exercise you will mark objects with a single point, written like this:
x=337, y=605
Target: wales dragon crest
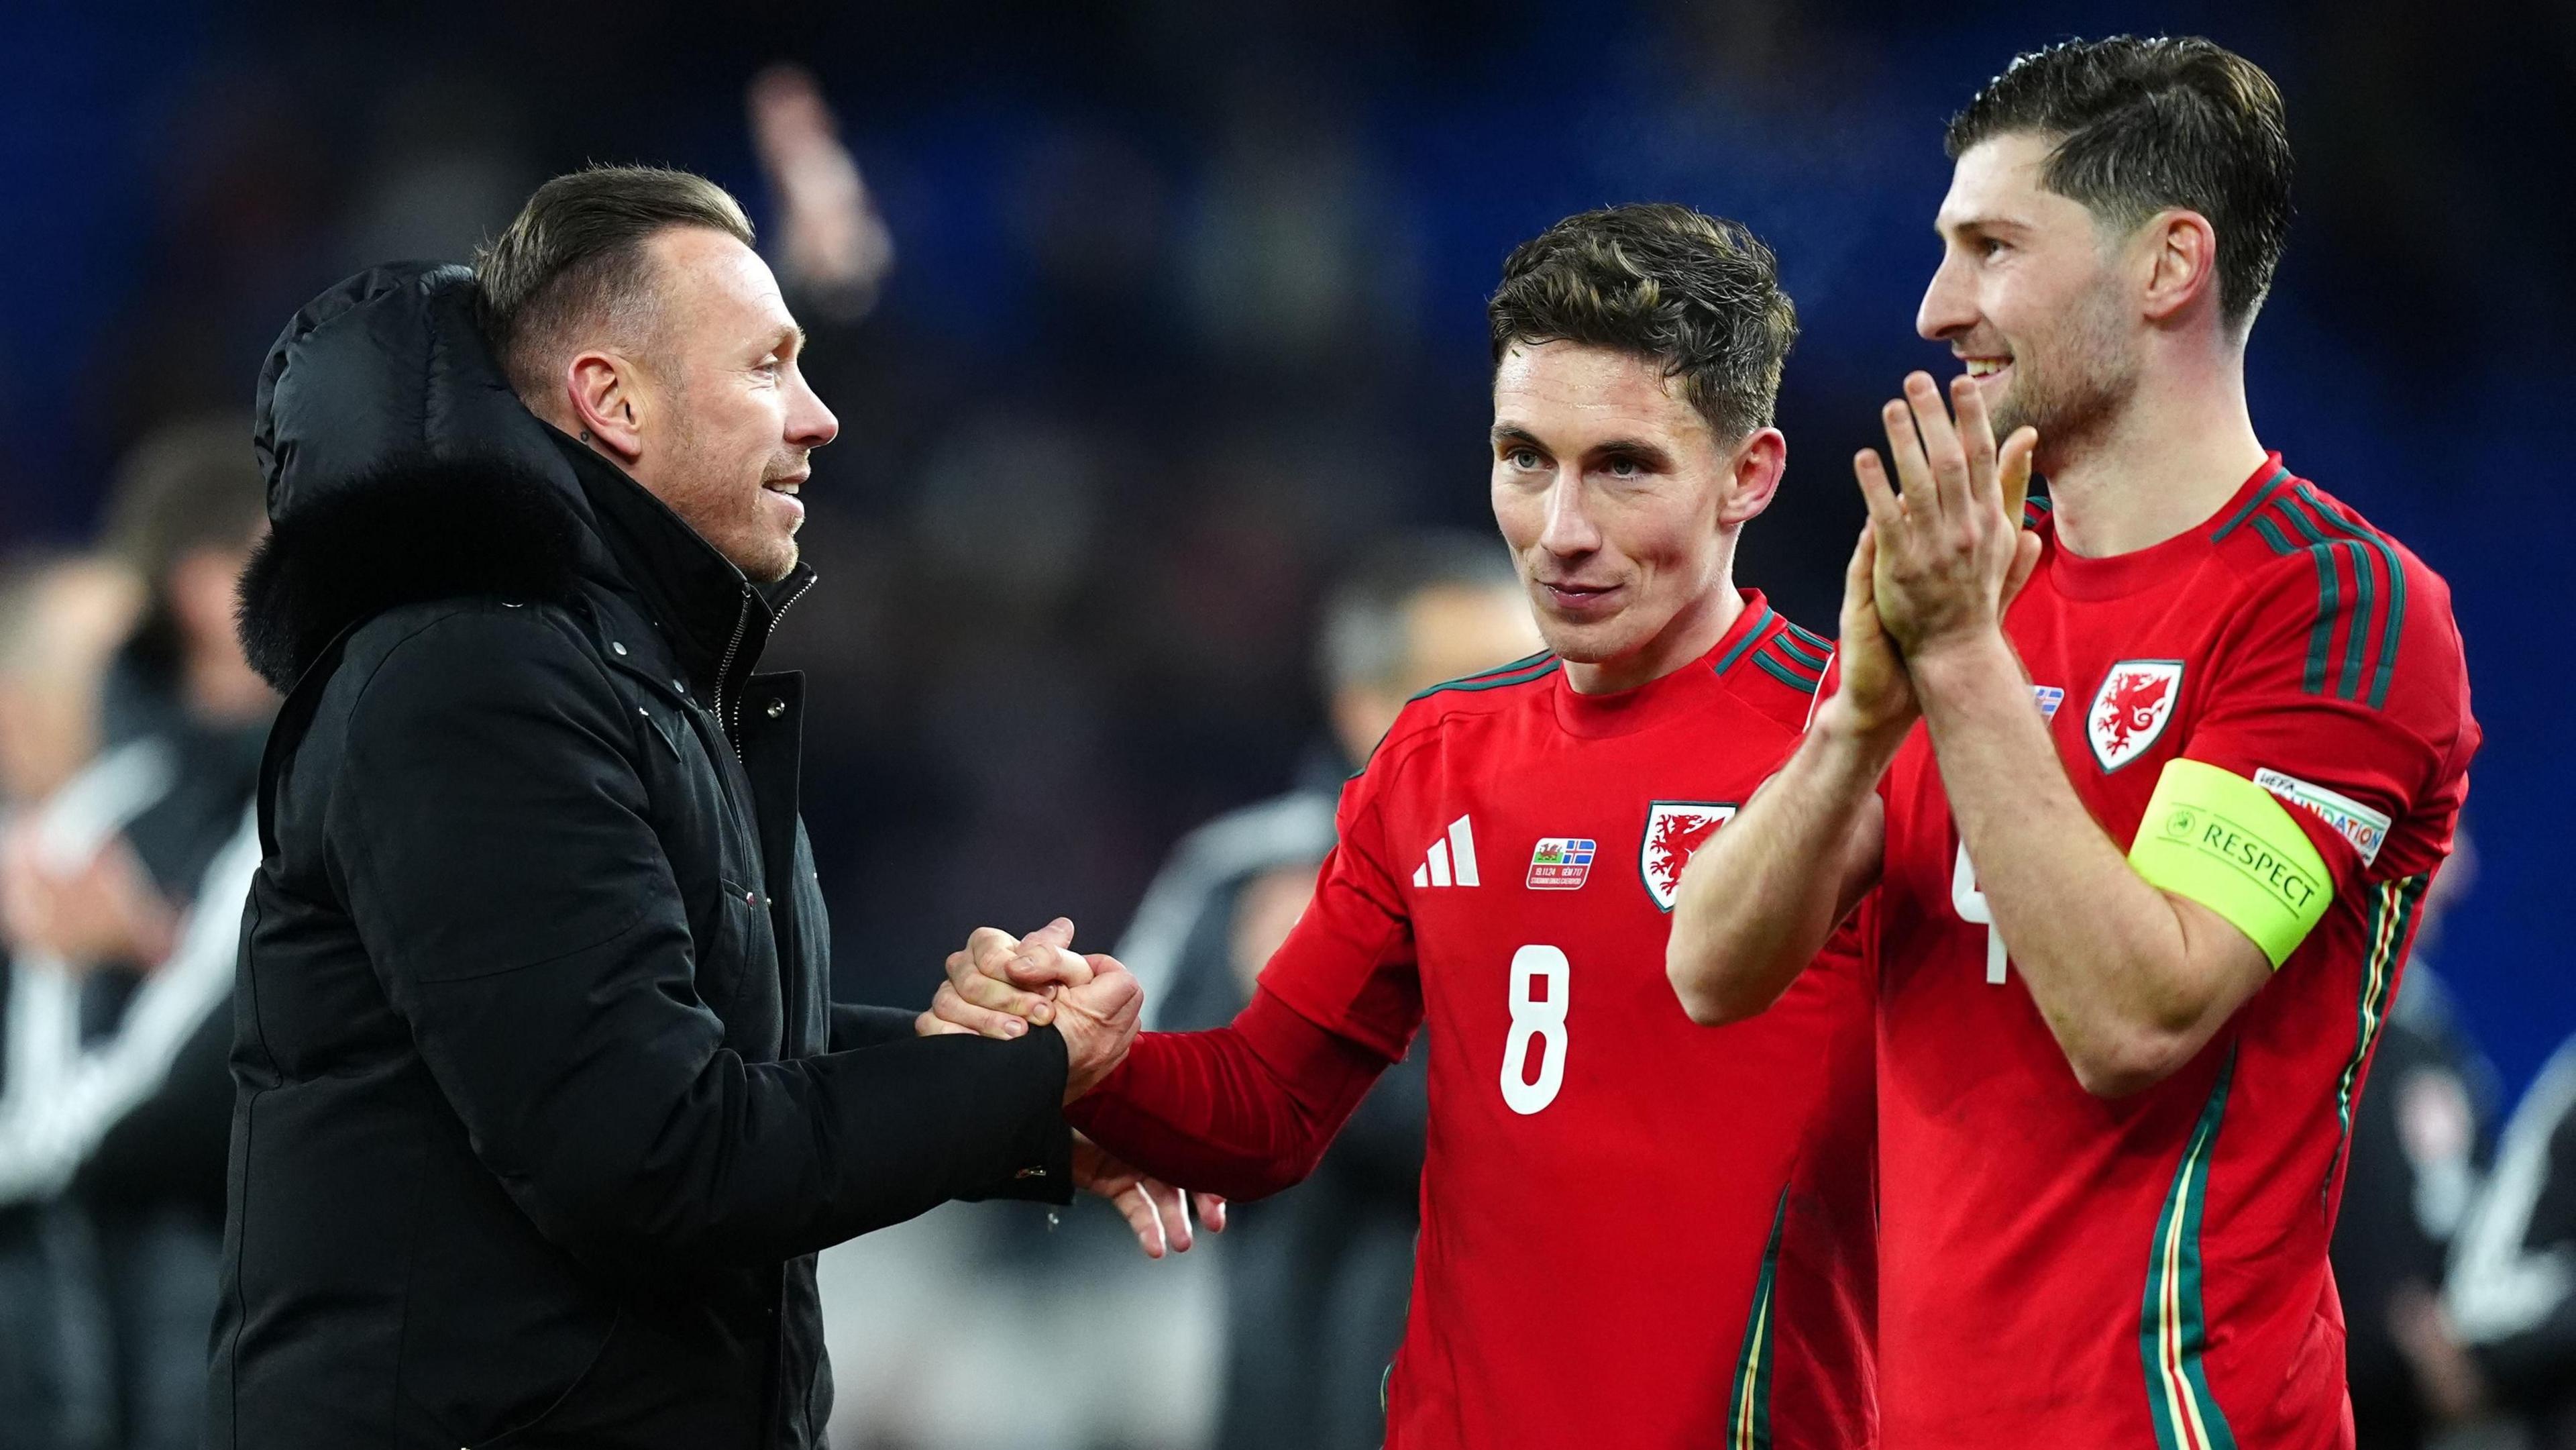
x=1675, y=829
x=2130, y=710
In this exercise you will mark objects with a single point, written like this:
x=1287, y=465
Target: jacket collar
x=717, y=620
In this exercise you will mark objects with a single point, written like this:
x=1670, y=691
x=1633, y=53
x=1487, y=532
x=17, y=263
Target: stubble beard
x=2072, y=388
x=710, y=503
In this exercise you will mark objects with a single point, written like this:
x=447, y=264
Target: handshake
x=1001, y=986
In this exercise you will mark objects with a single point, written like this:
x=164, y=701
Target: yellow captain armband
x=2227, y=843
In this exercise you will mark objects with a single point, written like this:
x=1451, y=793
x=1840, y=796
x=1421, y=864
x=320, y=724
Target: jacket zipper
x=724, y=672
x=733, y=726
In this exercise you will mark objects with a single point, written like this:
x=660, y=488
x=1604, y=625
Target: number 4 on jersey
x=1971, y=905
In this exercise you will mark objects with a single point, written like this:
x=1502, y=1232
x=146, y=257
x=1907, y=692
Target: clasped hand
x=1944, y=552
x=1001, y=985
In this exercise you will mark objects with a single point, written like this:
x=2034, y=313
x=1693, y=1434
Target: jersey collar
x=2117, y=576
x=1628, y=710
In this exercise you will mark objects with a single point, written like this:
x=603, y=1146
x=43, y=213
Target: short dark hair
x=1698, y=294
x=576, y=252
x=1364, y=614
x=2145, y=124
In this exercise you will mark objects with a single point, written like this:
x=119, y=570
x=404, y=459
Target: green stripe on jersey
x=1518, y=672
x=2261, y=496
x=1751, y=638
x=1748, y=1410
x=1812, y=656
x=2348, y=675
x=2321, y=636
x=2172, y=1331
x=2393, y=627
x=1769, y=664
x=1810, y=637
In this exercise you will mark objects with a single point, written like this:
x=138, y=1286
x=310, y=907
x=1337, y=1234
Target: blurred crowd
x=1155, y=338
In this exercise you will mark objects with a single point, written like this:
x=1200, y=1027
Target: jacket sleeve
x=855, y=1025
x=494, y=843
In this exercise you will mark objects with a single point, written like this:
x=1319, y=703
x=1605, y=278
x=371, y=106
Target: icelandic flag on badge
x=1561, y=863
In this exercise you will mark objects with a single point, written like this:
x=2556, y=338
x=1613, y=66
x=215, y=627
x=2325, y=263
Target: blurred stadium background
x=1185, y=311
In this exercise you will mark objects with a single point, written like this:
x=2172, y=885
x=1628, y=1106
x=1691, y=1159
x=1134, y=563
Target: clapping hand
x=1948, y=553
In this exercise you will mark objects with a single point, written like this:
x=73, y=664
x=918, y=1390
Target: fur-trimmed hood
x=413, y=530
x=401, y=468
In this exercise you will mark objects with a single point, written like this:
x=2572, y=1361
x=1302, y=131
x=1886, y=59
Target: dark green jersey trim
x=2329, y=599
x=1812, y=656
x=2348, y=675
x=1518, y=672
x=2393, y=628
x=1751, y=638
x=2034, y=509
x=1815, y=642
x=2241, y=515
x=1748, y=1410
x=2172, y=1332
x=1771, y=666
x=1809, y=635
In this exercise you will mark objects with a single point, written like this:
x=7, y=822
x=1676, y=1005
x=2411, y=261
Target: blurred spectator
x=137, y=1121
x=1317, y=1277
x=2504, y=1337
x=60, y=619
x=832, y=249
x=2419, y=1141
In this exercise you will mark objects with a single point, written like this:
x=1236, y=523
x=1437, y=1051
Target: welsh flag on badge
x=1560, y=863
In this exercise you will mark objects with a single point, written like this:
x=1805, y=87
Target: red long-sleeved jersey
x=2070, y=1271
x=1635, y=1231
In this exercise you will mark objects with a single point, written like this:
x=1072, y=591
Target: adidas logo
x=1452, y=861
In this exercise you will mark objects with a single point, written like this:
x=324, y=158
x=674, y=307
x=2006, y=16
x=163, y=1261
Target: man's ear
x=608, y=405
x=1753, y=476
x=2180, y=254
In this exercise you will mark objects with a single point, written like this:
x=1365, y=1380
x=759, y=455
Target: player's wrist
x=1853, y=746
x=1949, y=665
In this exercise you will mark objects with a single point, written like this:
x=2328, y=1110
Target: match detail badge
x=2365, y=828
x=2136, y=699
x=2047, y=698
x=1675, y=829
x=1560, y=863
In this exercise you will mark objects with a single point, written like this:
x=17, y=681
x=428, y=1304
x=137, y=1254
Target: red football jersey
x=1635, y=1231
x=2069, y=1271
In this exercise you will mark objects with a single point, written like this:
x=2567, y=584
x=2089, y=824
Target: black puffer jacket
x=542, y=1110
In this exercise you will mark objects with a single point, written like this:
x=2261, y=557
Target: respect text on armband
x=2249, y=855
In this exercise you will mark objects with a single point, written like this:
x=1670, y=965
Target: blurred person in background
x=2500, y=1344
x=142, y=1120
x=1315, y=1287
x=543, y=1108
x=135, y=1123
x=60, y=621
x=2420, y=1138
x=833, y=250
